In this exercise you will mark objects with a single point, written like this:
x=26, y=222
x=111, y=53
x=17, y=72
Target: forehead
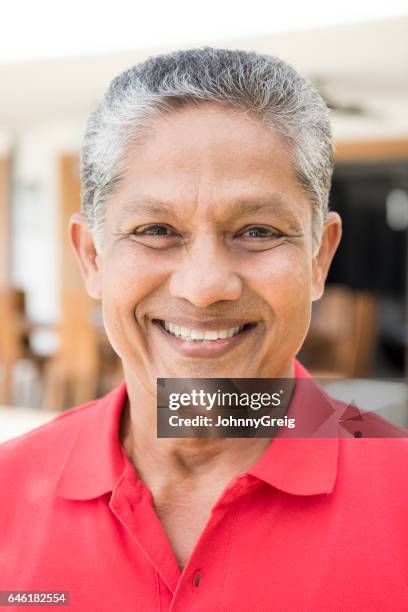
x=210, y=155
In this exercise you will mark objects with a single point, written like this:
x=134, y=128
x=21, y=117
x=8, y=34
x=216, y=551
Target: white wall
x=35, y=223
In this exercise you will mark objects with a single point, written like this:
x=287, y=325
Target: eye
x=258, y=238
x=259, y=232
x=153, y=230
x=156, y=236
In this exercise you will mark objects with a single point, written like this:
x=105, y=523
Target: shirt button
x=197, y=579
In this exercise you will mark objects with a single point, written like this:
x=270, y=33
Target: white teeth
x=197, y=335
x=211, y=335
x=177, y=330
x=194, y=335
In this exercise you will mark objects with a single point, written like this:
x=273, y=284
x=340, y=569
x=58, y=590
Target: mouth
x=197, y=335
x=208, y=340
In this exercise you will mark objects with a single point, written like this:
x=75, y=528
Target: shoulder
x=386, y=454
x=44, y=448
x=377, y=456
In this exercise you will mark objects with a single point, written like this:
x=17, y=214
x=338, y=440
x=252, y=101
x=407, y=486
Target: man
x=205, y=232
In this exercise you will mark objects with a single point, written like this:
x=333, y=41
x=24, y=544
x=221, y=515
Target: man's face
x=209, y=233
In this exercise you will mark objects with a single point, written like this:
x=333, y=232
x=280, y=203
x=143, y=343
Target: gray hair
x=261, y=84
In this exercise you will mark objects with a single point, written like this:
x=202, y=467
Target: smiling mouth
x=196, y=335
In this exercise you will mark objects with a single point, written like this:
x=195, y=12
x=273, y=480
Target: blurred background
x=56, y=62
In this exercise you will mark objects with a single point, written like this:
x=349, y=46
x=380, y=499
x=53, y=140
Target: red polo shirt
x=314, y=524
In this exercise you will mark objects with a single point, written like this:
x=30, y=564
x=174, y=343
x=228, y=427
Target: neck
x=164, y=460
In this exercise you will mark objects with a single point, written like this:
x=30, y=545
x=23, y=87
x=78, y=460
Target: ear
x=322, y=259
x=88, y=259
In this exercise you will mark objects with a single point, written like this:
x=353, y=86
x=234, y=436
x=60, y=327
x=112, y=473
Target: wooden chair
x=71, y=377
x=343, y=333
x=12, y=339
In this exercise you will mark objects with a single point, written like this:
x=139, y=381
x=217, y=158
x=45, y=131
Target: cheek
x=130, y=274
x=283, y=280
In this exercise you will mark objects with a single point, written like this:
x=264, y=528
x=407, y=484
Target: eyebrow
x=148, y=206
x=274, y=203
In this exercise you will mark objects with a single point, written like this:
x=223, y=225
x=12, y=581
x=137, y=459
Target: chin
x=202, y=369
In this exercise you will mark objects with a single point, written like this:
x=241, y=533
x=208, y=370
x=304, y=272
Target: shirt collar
x=302, y=466
x=96, y=459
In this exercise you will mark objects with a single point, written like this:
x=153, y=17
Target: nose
x=206, y=274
